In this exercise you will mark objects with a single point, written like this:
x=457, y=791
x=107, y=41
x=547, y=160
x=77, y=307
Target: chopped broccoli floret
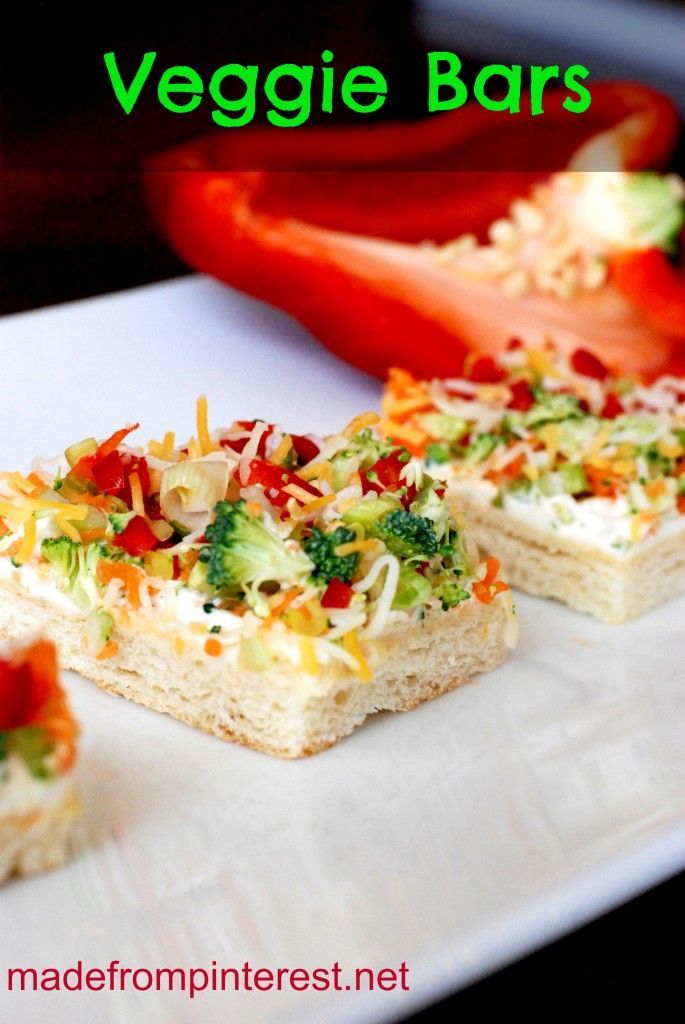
x=437, y=453
x=120, y=520
x=75, y=565
x=407, y=535
x=552, y=408
x=243, y=551
x=481, y=446
x=327, y=565
x=451, y=593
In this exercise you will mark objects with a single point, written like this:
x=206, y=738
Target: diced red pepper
x=522, y=397
x=588, y=365
x=137, y=538
x=655, y=285
x=681, y=504
x=612, y=407
x=274, y=478
x=337, y=594
x=305, y=449
x=28, y=681
x=108, y=473
x=484, y=370
x=384, y=475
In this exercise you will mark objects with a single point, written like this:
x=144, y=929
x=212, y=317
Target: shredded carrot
x=401, y=382
x=411, y=437
x=88, y=536
x=488, y=588
x=400, y=408
x=285, y=599
x=364, y=419
x=108, y=651
x=113, y=442
x=104, y=502
x=130, y=576
x=655, y=489
x=213, y=647
x=11, y=551
x=54, y=716
x=204, y=439
x=190, y=560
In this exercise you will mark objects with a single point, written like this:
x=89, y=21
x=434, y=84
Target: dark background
x=68, y=232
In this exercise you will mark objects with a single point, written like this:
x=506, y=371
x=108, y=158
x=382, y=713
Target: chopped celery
x=443, y=427
x=99, y=627
x=368, y=512
x=412, y=589
x=82, y=448
x=254, y=654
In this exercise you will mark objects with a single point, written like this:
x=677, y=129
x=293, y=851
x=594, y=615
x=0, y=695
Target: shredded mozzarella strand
x=392, y=567
x=250, y=450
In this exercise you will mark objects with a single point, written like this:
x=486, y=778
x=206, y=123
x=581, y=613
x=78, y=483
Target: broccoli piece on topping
x=407, y=535
x=481, y=446
x=451, y=593
x=327, y=565
x=437, y=453
x=552, y=408
x=75, y=565
x=243, y=551
x=120, y=520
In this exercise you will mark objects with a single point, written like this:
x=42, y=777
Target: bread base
x=39, y=838
x=613, y=588
x=279, y=711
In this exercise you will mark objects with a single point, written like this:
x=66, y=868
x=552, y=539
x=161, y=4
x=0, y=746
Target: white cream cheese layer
x=602, y=523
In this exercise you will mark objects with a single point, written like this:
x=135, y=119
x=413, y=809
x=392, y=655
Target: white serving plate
x=454, y=838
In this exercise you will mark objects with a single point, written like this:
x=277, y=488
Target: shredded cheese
x=320, y=470
x=29, y=541
x=351, y=644
x=308, y=660
x=298, y=493
x=137, y=500
x=203, y=437
x=314, y=506
x=354, y=546
x=282, y=449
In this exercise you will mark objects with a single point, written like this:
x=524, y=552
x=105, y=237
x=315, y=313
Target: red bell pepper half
x=304, y=241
